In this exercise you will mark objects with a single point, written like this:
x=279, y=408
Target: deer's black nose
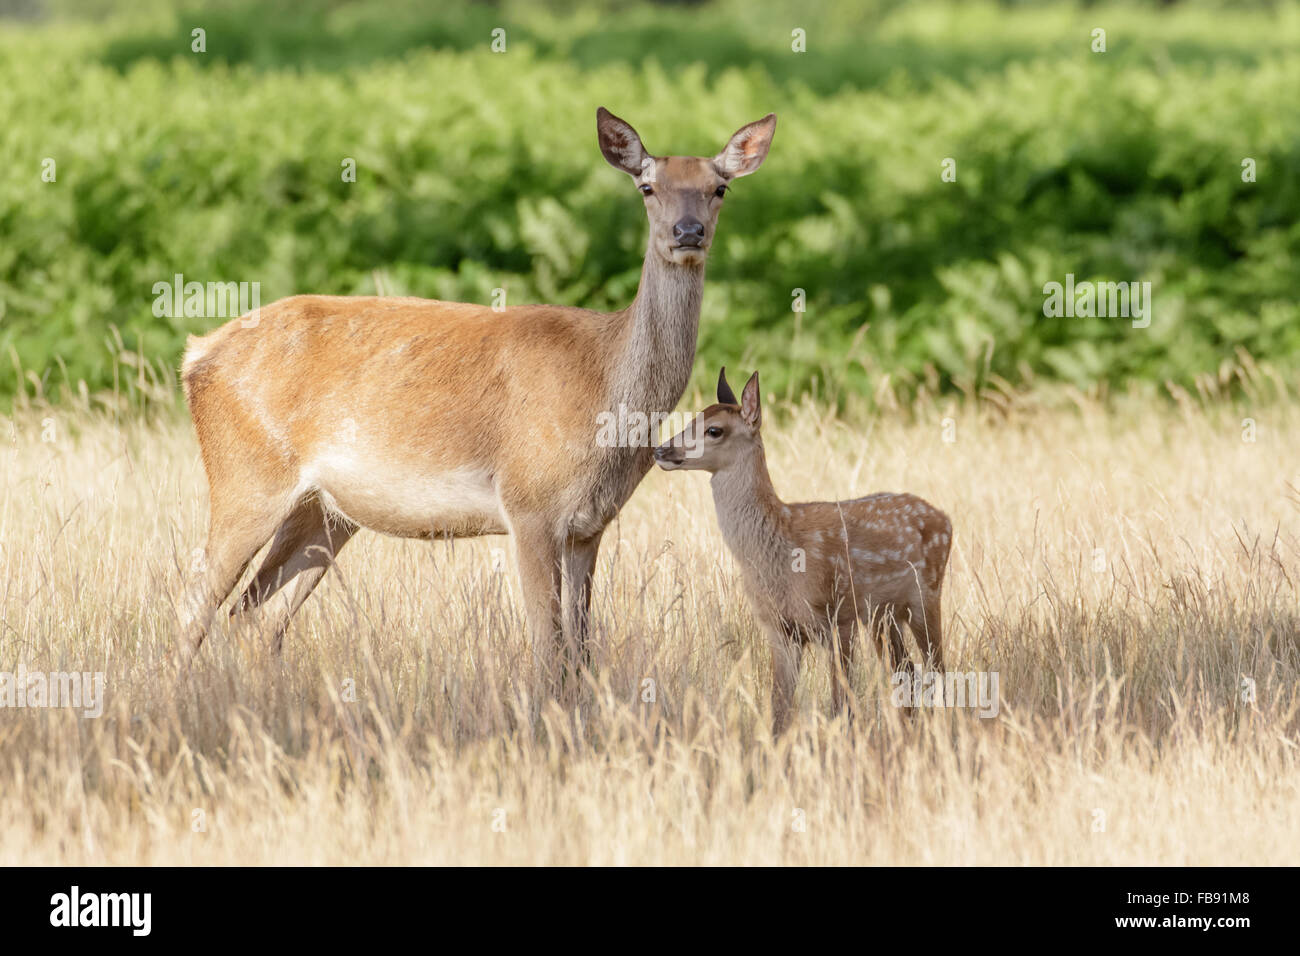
x=688, y=232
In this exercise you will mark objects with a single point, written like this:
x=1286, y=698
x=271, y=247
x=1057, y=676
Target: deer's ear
x=750, y=409
x=619, y=143
x=725, y=395
x=747, y=148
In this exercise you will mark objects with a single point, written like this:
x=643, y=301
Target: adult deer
x=423, y=419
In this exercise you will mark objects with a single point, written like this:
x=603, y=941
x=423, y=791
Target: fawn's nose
x=688, y=232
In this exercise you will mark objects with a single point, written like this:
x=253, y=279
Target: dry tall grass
x=1121, y=669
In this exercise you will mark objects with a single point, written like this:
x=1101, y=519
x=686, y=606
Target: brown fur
x=321, y=414
x=813, y=570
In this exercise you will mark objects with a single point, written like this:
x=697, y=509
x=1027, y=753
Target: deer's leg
x=875, y=623
x=899, y=659
x=303, y=550
x=842, y=664
x=785, y=675
x=888, y=638
x=538, y=558
x=927, y=629
x=239, y=525
x=893, y=652
x=579, y=565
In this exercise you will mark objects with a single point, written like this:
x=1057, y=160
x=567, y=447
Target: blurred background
x=478, y=169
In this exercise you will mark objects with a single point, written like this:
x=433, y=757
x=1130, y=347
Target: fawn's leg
x=899, y=659
x=785, y=675
x=882, y=622
x=842, y=664
x=927, y=629
x=893, y=652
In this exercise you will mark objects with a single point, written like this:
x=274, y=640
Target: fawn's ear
x=750, y=409
x=725, y=395
x=619, y=143
x=747, y=148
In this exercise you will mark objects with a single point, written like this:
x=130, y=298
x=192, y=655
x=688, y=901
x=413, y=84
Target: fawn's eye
x=713, y=431
x=646, y=190
x=720, y=191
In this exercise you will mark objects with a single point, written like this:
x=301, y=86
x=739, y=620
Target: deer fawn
x=427, y=419
x=812, y=570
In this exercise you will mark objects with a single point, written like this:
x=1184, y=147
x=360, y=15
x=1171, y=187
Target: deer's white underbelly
x=407, y=502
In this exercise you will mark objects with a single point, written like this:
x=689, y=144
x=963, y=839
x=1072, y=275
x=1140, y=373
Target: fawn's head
x=683, y=193
x=720, y=435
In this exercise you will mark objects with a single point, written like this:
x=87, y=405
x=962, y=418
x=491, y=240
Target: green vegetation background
x=479, y=170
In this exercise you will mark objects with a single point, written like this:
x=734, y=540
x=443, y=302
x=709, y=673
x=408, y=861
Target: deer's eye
x=646, y=190
x=720, y=191
x=713, y=431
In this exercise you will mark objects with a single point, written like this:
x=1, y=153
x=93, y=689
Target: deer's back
x=886, y=544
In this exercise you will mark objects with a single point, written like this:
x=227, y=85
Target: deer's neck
x=753, y=520
x=656, y=349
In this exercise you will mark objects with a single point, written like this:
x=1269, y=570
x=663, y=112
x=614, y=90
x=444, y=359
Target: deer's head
x=719, y=435
x=683, y=193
